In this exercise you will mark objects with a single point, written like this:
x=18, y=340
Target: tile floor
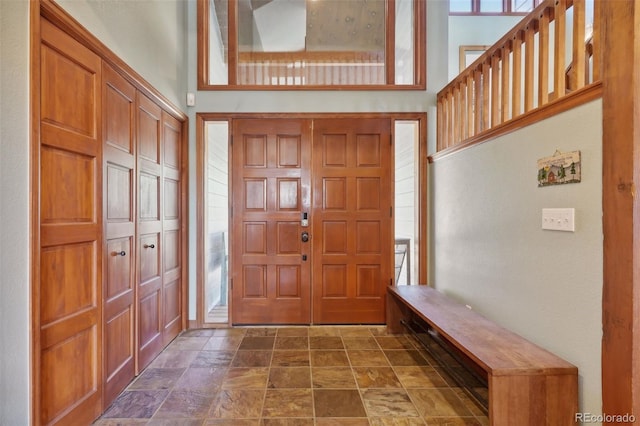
x=293, y=376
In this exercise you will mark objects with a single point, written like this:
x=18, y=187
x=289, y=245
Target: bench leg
x=396, y=313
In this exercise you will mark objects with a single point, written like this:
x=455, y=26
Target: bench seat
x=527, y=384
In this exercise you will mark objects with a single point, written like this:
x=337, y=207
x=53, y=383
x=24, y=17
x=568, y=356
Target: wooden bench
x=527, y=385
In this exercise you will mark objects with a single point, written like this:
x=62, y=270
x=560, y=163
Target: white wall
x=489, y=251
x=14, y=212
x=475, y=30
x=149, y=35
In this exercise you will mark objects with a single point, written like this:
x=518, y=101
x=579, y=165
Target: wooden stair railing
x=524, y=71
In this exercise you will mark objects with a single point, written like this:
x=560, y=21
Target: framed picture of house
x=560, y=168
x=469, y=53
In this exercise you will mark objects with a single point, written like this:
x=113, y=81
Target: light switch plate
x=559, y=219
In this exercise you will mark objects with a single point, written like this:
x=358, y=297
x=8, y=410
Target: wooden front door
x=271, y=191
x=352, y=220
x=343, y=269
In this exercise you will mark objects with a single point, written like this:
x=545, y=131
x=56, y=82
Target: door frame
x=204, y=117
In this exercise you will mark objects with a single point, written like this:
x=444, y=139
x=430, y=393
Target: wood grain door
x=171, y=230
x=150, y=321
x=68, y=305
x=271, y=190
x=119, y=195
x=352, y=219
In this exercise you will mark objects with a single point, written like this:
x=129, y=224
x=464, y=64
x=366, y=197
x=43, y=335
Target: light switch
x=559, y=219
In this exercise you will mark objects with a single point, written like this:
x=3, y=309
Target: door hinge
x=231, y=284
x=231, y=211
x=390, y=211
x=391, y=281
x=231, y=140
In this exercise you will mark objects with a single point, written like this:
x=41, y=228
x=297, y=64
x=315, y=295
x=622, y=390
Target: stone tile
x=189, y=343
x=212, y=359
x=185, y=404
x=293, y=331
x=380, y=330
x=237, y=404
x=232, y=422
x=257, y=343
x=403, y=357
x=484, y=420
x=397, y=421
x=394, y=342
x=438, y=402
x=420, y=377
x=452, y=421
x=376, y=377
x=360, y=343
x=175, y=422
x=136, y=404
x=338, y=403
x=249, y=358
x=289, y=377
x=324, y=331
x=342, y=421
x=287, y=422
x=367, y=358
x=199, y=332
x=288, y=403
x=321, y=358
x=326, y=342
x=290, y=359
x=174, y=359
x=388, y=403
x=355, y=331
x=261, y=332
x=203, y=380
x=229, y=332
x=223, y=343
x=120, y=422
x=292, y=343
x=157, y=378
x=332, y=378
x=470, y=402
x=245, y=378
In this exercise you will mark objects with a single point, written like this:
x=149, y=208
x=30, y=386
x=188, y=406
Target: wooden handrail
x=513, y=77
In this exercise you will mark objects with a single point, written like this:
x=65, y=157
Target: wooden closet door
x=67, y=307
x=352, y=220
x=150, y=321
x=119, y=198
x=171, y=230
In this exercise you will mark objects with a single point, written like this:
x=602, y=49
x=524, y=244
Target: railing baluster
x=506, y=78
x=516, y=88
x=529, y=50
x=486, y=94
x=470, y=110
x=559, y=51
x=543, y=58
x=477, y=76
x=464, y=118
x=578, y=73
x=596, y=41
x=495, y=89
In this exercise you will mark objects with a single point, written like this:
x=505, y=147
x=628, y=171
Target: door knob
x=305, y=237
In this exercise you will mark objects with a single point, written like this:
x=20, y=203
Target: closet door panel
x=172, y=267
x=68, y=291
x=150, y=194
x=119, y=200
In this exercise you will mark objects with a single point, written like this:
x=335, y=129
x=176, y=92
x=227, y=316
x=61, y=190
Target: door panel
x=353, y=193
x=172, y=250
x=69, y=314
x=271, y=181
x=149, y=120
x=119, y=301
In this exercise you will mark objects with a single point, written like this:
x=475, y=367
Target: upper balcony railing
x=528, y=68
